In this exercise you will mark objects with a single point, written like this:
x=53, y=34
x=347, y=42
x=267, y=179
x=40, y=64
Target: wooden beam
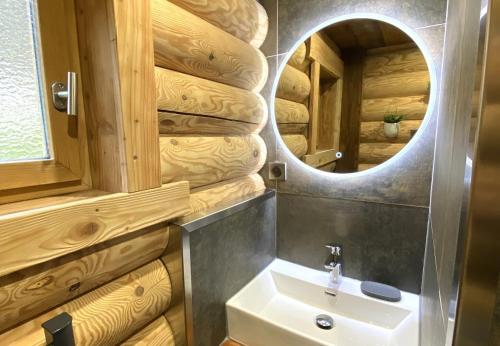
x=208, y=160
x=293, y=129
x=412, y=107
x=182, y=93
x=36, y=289
x=109, y=314
x=403, y=61
x=375, y=153
x=351, y=110
x=397, y=85
x=293, y=85
x=157, y=333
x=297, y=144
x=365, y=166
x=321, y=158
x=54, y=231
x=323, y=54
x=312, y=138
x=219, y=194
x=290, y=112
x=330, y=106
x=195, y=125
x=244, y=19
x=186, y=43
x=298, y=57
x=118, y=80
x=373, y=132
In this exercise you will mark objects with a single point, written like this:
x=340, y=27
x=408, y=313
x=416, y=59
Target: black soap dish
x=381, y=291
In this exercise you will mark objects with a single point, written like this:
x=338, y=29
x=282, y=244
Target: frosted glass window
x=23, y=134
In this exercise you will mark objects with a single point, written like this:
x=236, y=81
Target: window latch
x=64, y=96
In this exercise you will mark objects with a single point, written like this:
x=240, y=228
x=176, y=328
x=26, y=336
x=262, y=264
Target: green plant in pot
x=391, y=125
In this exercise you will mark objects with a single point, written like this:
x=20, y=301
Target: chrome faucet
x=333, y=265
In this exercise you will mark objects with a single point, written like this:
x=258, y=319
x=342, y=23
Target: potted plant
x=391, y=125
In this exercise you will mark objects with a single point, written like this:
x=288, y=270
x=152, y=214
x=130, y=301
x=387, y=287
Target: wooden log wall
x=394, y=81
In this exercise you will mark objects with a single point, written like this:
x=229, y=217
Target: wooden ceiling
x=365, y=33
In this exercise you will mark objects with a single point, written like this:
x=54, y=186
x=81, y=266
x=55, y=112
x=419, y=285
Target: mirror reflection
x=352, y=96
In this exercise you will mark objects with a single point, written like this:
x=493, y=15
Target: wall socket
x=277, y=170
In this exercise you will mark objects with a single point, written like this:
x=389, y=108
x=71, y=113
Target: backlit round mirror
x=352, y=95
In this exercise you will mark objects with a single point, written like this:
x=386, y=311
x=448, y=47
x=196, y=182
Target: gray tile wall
x=224, y=256
x=385, y=206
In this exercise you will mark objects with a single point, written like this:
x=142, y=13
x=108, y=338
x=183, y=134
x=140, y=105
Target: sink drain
x=324, y=322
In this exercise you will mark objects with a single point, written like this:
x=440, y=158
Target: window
x=42, y=150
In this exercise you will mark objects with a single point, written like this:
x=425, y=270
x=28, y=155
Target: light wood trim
x=323, y=54
x=29, y=292
x=375, y=153
x=193, y=125
x=244, y=19
x=373, y=131
x=208, y=160
x=294, y=85
x=182, y=93
x=109, y=314
x=321, y=158
x=297, y=144
x=396, y=85
x=225, y=192
x=186, y=43
x=413, y=107
x=330, y=107
x=298, y=57
x=365, y=166
x=40, y=191
x=407, y=60
x=290, y=112
x=157, y=333
x=53, y=231
x=312, y=138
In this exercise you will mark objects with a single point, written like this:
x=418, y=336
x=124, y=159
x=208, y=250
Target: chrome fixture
x=333, y=265
x=324, y=322
x=64, y=97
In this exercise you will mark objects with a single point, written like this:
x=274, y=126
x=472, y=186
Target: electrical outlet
x=277, y=170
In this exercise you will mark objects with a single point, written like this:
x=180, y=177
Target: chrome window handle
x=64, y=96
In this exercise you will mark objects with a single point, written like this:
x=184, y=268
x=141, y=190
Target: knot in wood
x=139, y=291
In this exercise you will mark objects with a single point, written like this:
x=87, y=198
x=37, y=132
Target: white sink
x=279, y=306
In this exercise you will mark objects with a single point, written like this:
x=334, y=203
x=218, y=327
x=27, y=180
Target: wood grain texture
x=208, y=160
x=402, y=61
x=182, y=93
x=330, y=107
x=298, y=57
x=23, y=174
x=244, y=19
x=157, y=333
x=297, y=144
x=53, y=231
x=378, y=152
x=293, y=85
x=312, y=137
x=194, y=125
x=321, y=158
x=326, y=56
x=188, y=44
x=373, y=132
x=413, y=107
x=396, y=85
x=365, y=166
x=293, y=129
x=290, y=112
x=222, y=193
x=26, y=293
x=109, y=314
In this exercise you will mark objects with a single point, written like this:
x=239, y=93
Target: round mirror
x=352, y=95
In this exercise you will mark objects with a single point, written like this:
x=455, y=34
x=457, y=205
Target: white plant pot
x=391, y=130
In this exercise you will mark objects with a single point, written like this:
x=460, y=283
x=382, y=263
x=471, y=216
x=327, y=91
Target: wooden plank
x=290, y=112
x=390, y=49
x=215, y=195
x=297, y=144
x=323, y=54
x=298, y=57
x=329, y=115
x=157, y=333
x=28, y=292
x=402, y=61
x=195, y=125
x=40, y=191
x=293, y=129
x=412, y=107
x=118, y=83
x=53, y=231
x=293, y=85
x=373, y=132
x=376, y=153
x=188, y=44
x=208, y=160
x=396, y=85
x=329, y=167
x=245, y=19
x=182, y=93
x=321, y=158
x=365, y=166
x=108, y=314
x=339, y=84
x=351, y=110
x=312, y=138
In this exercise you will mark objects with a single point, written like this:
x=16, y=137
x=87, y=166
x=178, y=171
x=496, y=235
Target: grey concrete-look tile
x=270, y=45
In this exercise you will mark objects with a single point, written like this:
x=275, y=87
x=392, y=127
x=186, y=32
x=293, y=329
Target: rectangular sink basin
x=280, y=305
